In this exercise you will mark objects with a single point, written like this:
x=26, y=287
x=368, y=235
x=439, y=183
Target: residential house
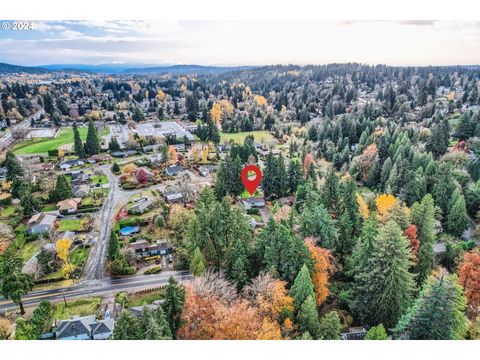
x=41, y=223
x=173, y=197
x=253, y=203
x=123, y=154
x=66, y=165
x=354, y=333
x=81, y=191
x=174, y=170
x=206, y=170
x=84, y=328
x=139, y=207
x=137, y=310
x=144, y=249
x=68, y=206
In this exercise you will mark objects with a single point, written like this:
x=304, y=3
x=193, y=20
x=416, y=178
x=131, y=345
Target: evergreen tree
x=457, y=218
x=269, y=178
x=115, y=168
x=295, y=175
x=383, y=288
x=237, y=264
x=197, y=264
x=162, y=323
x=113, y=246
x=63, y=189
x=220, y=183
x=307, y=318
x=331, y=193
x=126, y=327
x=302, y=287
x=92, y=144
x=173, y=305
x=280, y=251
x=14, y=284
x=30, y=204
x=315, y=221
x=438, y=313
x=281, y=177
x=78, y=146
x=365, y=245
x=376, y=333
x=443, y=187
x=13, y=166
x=330, y=326
x=113, y=145
x=423, y=217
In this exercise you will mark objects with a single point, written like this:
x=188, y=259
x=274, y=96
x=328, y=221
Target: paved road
x=95, y=266
x=7, y=139
x=96, y=288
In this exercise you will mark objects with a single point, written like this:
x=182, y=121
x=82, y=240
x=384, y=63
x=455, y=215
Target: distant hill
x=9, y=69
x=184, y=69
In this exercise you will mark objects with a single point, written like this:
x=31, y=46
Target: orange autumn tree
x=213, y=310
x=384, y=204
x=172, y=154
x=411, y=234
x=307, y=162
x=269, y=296
x=322, y=267
x=469, y=278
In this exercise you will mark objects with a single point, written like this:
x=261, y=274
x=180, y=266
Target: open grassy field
x=43, y=145
x=240, y=136
x=80, y=307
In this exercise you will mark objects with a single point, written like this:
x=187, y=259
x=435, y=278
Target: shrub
x=154, y=270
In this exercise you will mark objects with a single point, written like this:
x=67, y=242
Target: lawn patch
x=81, y=307
x=71, y=225
x=239, y=137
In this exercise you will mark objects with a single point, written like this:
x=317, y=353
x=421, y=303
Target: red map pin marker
x=251, y=184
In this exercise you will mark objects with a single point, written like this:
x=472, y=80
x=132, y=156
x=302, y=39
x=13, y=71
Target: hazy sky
x=243, y=42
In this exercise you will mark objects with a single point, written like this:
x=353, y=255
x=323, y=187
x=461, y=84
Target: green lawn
x=29, y=249
x=81, y=307
x=78, y=256
x=49, y=207
x=99, y=179
x=7, y=211
x=71, y=225
x=239, y=137
x=43, y=145
x=143, y=299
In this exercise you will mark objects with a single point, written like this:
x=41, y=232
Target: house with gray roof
x=84, y=328
x=139, y=207
x=174, y=170
x=41, y=223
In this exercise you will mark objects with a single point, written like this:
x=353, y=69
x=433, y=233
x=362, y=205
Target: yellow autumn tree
x=63, y=248
x=260, y=100
x=216, y=113
x=362, y=207
x=205, y=155
x=160, y=95
x=384, y=204
x=322, y=268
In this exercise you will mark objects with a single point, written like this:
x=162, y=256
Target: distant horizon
x=244, y=43
x=151, y=65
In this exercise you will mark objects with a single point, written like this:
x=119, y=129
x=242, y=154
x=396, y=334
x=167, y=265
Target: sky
x=235, y=43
